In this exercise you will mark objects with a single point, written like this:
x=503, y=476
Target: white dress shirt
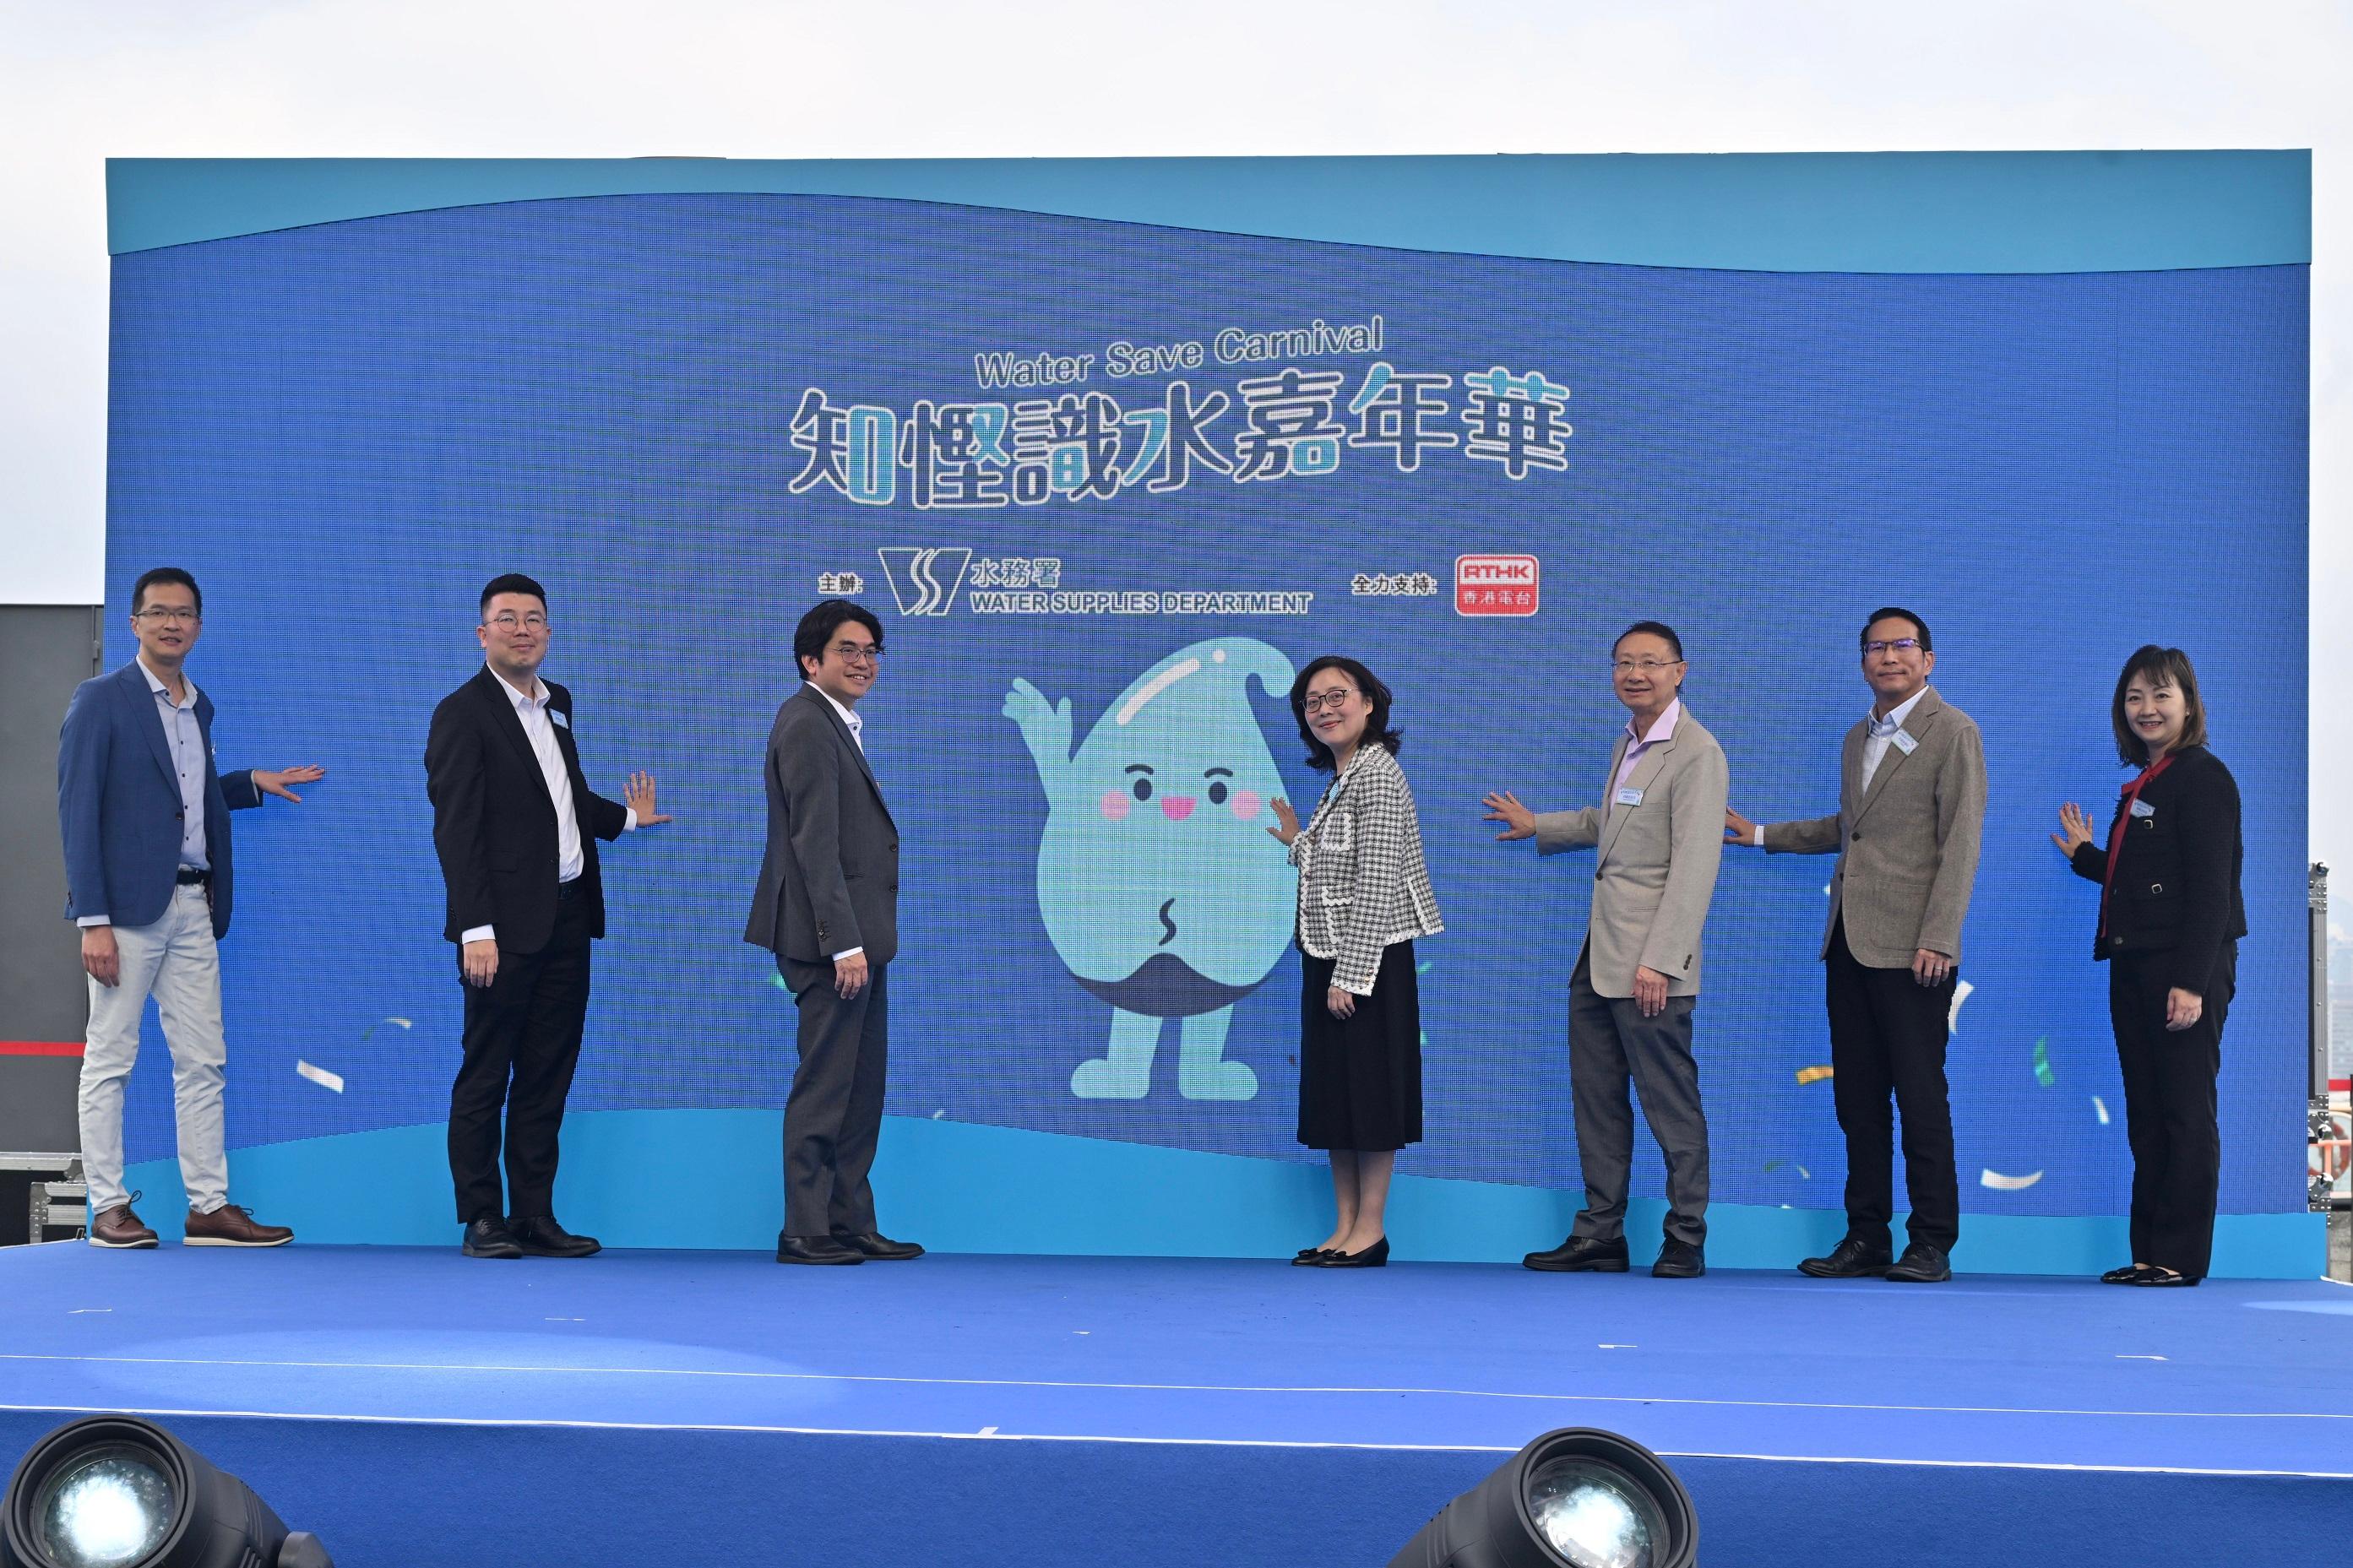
x=857, y=738
x=530, y=707
x=1880, y=732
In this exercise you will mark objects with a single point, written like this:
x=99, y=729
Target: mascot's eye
x=1218, y=792
x=1142, y=789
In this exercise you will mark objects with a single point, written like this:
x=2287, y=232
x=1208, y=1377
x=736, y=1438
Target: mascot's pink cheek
x=1244, y=804
x=1115, y=804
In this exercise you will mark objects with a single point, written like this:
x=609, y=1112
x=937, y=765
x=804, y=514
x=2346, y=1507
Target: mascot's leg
x=1202, y=1071
x=1125, y=1072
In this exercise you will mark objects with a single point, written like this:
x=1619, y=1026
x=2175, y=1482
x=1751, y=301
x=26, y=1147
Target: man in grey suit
x=1660, y=840
x=1911, y=800
x=827, y=907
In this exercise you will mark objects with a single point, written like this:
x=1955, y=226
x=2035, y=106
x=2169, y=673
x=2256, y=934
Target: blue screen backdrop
x=344, y=430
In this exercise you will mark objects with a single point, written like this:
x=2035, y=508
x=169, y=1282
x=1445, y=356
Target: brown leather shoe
x=119, y=1228
x=229, y=1226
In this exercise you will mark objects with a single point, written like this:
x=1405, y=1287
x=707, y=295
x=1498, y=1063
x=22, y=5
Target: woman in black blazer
x=2170, y=918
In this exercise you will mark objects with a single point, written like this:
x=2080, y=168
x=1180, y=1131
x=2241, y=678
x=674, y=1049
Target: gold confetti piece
x=1953, y=1018
x=2100, y=1110
x=321, y=1076
x=2002, y=1183
x=1813, y=1074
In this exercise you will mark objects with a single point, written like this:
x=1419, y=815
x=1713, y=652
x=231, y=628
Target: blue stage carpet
x=416, y=1407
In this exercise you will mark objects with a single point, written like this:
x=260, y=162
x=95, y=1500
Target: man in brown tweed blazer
x=1911, y=800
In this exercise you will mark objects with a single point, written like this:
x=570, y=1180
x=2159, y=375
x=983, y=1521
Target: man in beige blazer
x=1912, y=799
x=1658, y=838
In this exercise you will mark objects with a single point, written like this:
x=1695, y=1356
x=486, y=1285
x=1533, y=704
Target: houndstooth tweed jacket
x=1362, y=882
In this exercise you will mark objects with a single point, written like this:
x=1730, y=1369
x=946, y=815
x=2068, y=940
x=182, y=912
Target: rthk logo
x=1495, y=584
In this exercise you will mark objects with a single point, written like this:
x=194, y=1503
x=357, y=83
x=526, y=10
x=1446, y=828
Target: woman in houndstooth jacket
x=1364, y=896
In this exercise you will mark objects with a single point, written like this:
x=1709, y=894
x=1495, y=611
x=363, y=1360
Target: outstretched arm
x=1044, y=726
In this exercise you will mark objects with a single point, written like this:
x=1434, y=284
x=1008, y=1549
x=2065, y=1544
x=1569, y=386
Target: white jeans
x=176, y=961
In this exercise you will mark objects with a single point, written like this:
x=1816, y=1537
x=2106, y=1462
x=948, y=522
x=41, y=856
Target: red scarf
x=2123, y=821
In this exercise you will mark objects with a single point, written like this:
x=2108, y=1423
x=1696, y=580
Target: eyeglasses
x=1647, y=666
x=166, y=615
x=1316, y=701
x=506, y=622
x=1901, y=645
x=858, y=653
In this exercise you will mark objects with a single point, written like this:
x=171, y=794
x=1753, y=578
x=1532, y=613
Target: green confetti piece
x=2042, y=1073
x=778, y=981
x=1773, y=1164
x=1423, y=968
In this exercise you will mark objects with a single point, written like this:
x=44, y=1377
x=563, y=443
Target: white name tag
x=1904, y=741
x=560, y=719
x=1629, y=796
x=2142, y=808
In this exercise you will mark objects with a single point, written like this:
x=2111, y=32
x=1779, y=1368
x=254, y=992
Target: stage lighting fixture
x=114, y=1492
x=1577, y=1496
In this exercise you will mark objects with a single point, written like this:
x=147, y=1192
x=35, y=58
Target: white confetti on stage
x=2100, y=1110
x=1960, y=994
x=2002, y=1183
x=321, y=1076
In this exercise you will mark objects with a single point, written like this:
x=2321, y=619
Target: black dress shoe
x=873, y=1244
x=1580, y=1254
x=490, y=1239
x=1679, y=1260
x=1374, y=1257
x=1921, y=1265
x=815, y=1250
x=1850, y=1259
x=542, y=1237
x=1312, y=1256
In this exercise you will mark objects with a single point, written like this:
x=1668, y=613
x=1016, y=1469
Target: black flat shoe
x=490, y=1239
x=1921, y=1265
x=2128, y=1275
x=541, y=1237
x=815, y=1250
x=1312, y=1256
x=1679, y=1260
x=1580, y=1254
x=1850, y=1259
x=1374, y=1257
x=2158, y=1275
x=875, y=1245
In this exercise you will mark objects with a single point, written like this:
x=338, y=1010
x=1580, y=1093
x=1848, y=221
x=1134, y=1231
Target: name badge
x=1629, y=796
x=2142, y=808
x=560, y=719
x=1904, y=741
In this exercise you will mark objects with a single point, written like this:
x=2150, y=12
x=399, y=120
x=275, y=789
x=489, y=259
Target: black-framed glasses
x=168, y=615
x=507, y=622
x=1335, y=699
x=1901, y=645
x=858, y=653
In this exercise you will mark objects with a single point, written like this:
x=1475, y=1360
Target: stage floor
x=2233, y=1378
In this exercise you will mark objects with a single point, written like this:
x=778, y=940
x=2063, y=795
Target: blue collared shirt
x=188, y=743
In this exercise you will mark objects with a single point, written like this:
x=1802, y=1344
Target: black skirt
x=1360, y=1076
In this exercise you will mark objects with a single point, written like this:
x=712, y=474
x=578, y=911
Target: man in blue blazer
x=144, y=814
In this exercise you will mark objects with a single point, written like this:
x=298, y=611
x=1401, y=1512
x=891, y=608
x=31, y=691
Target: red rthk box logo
x=1495, y=584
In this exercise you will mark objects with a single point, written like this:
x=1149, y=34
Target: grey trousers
x=834, y=1115
x=1609, y=1041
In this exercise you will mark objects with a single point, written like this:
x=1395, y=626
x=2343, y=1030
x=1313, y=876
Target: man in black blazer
x=827, y=907
x=515, y=826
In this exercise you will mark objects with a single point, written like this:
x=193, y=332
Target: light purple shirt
x=1662, y=729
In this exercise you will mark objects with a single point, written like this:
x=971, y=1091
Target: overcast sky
x=79, y=83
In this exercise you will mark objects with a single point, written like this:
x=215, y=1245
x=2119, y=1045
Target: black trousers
x=834, y=1114
x=2170, y=1115
x=521, y=1042
x=1888, y=1033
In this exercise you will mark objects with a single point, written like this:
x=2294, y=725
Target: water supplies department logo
x=924, y=581
x=1495, y=584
